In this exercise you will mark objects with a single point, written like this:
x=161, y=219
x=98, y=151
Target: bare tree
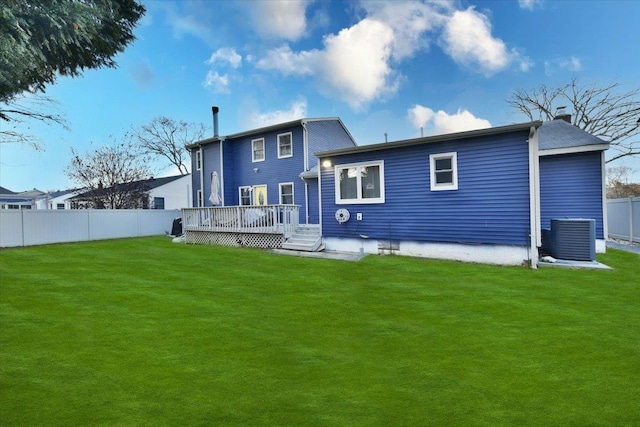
x=619, y=183
x=604, y=111
x=113, y=175
x=24, y=109
x=167, y=138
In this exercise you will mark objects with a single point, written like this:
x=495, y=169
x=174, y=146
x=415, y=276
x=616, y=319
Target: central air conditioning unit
x=573, y=239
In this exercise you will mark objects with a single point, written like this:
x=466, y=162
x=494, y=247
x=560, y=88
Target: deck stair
x=306, y=237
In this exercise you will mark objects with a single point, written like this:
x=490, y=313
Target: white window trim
x=359, y=199
x=293, y=189
x=290, y=140
x=200, y=199
x=253, y=150
x=454, y=167
x=199, y=159
x=245, y=187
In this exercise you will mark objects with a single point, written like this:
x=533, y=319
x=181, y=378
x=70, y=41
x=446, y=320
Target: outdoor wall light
x=255, y=170
x=326, y=163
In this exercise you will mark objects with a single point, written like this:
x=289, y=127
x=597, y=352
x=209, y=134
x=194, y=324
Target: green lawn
x=147, y=332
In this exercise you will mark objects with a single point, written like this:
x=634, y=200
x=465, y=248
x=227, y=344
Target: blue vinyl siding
x=239, y=167
x=314, y=202
x=490, y=206
x=571, y=186
x=324, y=135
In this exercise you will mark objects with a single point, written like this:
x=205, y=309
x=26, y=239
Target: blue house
x=271, y=167
x=481, y=196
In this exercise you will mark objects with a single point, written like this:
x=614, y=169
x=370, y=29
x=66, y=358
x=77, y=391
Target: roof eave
x=432, y=139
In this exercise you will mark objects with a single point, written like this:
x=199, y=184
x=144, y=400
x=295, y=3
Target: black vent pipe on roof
x=215, y=110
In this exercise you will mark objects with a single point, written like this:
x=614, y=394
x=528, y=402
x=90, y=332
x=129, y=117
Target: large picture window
x=444, y=171
x=285, y=145
x=257, y=150
x=360, y=183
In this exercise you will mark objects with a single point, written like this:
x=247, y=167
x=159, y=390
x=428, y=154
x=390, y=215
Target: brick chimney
x=561, y=114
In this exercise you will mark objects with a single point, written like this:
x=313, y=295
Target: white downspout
x=222, y=172
x=305, y=167
x=534, y=197
x=201, y=176
x=605, y=216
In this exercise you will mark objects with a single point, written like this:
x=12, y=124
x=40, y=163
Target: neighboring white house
x=24, y=200
x=57, y=199
x=173, y=193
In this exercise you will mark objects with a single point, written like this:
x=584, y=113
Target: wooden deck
x=256, y=226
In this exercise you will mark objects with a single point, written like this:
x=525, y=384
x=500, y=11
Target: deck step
x=305, y=238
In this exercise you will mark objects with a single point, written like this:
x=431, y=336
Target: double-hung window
x=285, y=145
x=444, y=171
x=199, y=159
x=286, y=193
x=360, y=182
x=245, y=196
x=257, y=150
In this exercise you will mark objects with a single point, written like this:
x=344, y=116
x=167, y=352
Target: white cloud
x=529, y=4
x=280, y=19
x=284, y=60
x=410, y=22
x=571, y=63
x=359, y=64
x=225, y=55
x=467, y=39
x=191, y=18
x=355, y=62
x=255, y=119
x=438, y=123
x=216, y=83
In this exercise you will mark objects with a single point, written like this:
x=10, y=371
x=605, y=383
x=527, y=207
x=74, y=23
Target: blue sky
x=382, y=67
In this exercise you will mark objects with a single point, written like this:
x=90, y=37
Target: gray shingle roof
x=557, y=134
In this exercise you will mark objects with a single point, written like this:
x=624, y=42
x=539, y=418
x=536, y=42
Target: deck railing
x=269, y=219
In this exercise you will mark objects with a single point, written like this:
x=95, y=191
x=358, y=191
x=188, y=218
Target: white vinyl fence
x=37, y=227
x=624, y=219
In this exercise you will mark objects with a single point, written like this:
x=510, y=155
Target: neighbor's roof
x=5, y=191
x=149, y=184
x=265, y=129
x=561, y=135
x=431, y=139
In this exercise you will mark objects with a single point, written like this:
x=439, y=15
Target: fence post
x=630, y=199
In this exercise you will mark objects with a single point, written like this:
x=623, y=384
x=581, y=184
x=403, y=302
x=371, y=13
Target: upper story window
x=360, y=183
x=285, y=145
x=200, y=199
x=286, y=193
x=199, y=159
x=257, y=150
x=444, y=171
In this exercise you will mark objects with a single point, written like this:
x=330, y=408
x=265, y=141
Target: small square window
x=285, y=145
x=444, y=171
x=257, y=150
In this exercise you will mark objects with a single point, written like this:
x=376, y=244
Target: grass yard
x=147, y=332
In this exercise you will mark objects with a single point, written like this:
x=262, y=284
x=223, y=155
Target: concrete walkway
x=626, y=246
x=341, y=256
